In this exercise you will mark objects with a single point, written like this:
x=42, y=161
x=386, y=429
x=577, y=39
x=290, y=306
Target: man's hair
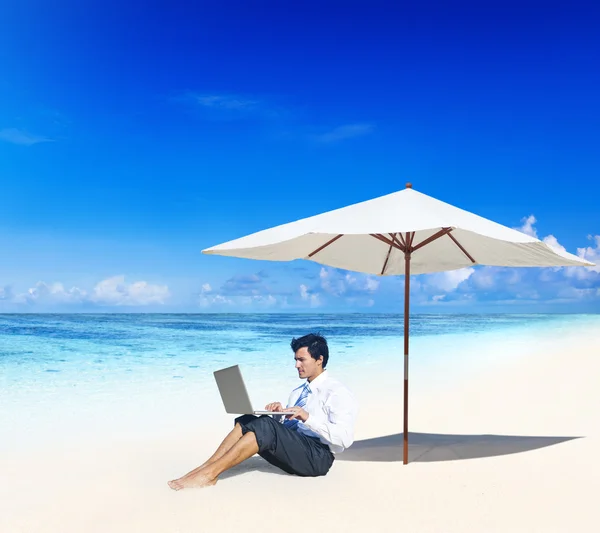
x=316, y=344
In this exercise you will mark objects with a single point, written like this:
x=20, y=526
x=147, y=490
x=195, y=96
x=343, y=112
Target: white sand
x=118, y=483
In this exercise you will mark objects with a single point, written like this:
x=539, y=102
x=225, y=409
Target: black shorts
x=286, y=448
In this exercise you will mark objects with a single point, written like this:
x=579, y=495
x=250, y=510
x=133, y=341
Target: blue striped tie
x=300, y=402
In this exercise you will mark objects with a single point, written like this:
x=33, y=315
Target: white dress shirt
x=332, y=411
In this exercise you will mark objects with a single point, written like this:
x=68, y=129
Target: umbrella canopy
x=404, y=233
x=367, y=236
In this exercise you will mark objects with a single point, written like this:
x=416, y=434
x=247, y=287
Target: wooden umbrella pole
x=406, y=310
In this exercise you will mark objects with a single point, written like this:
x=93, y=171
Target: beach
x=503, y=438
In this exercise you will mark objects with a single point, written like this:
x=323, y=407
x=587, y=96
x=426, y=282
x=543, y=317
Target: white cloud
x=266, y=300
x=575, y=293
x=225, y=101
x=208, y=299
x=330, y=285
x=229, y=106
x=552, y=241
x=371, y=284
x=238, y=291
x=312, y=298
x=115, y=291
x=485, y=278
x=51, y=293
x=527, y=226
x=6, y=293
x=22, y=137
x=304, y=292
x=591, y=253
x=247, y=285
x=245, y=290
x=112, y=291
x=355, y=288
x=450, y=280
x=346, y=284
x=213, y=300
x=438, y=297
x=347, y=131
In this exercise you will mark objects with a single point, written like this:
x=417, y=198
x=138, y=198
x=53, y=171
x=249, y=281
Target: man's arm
x=335, y=423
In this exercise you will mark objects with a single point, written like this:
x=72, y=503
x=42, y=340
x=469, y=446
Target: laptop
x=234, y=394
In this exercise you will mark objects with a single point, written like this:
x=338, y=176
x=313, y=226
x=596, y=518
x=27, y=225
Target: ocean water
x=60, y=370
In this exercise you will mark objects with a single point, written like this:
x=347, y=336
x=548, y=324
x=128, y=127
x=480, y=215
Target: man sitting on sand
x=303, y=443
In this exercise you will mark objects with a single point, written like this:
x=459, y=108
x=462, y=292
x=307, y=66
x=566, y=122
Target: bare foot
x=192, y=481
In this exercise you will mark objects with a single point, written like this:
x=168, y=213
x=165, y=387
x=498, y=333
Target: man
x=322, y=423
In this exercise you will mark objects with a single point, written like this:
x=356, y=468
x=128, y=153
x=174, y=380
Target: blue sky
x=135, y=134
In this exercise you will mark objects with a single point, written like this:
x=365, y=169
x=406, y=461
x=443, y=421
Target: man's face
x=307, y=367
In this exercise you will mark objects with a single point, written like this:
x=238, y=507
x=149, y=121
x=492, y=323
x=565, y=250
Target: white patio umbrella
x=402, y=233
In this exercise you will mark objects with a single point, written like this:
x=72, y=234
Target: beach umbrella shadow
x=430, y=447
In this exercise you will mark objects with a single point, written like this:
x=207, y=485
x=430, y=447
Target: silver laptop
x=234, y=394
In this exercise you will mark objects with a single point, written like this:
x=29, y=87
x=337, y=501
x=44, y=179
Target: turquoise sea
x=60, y=370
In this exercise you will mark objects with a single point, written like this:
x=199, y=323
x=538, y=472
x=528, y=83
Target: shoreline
x=435, y=361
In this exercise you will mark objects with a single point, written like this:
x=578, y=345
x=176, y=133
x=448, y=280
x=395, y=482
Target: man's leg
x=243, y=449
x=234, y=435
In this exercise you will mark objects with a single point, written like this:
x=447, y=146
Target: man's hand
x=299, y=414
x=275, y=407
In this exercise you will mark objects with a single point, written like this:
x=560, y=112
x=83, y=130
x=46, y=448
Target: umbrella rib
x=441, y=233
x=387, y=257
x=395, y=239
x=325, y=245
x=461, y=247
x=387, y=241
x=403, y=245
